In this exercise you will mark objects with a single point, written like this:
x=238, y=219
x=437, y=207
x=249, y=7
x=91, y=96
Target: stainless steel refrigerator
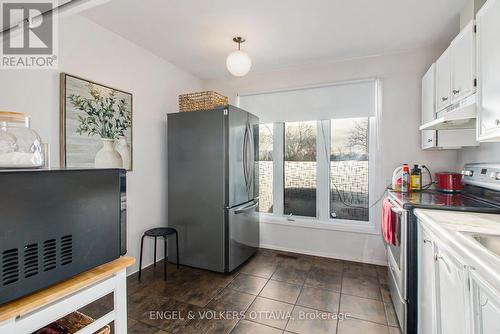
x=213, y=187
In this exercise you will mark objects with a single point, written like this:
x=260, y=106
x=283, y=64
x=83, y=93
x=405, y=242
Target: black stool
x=160, y=232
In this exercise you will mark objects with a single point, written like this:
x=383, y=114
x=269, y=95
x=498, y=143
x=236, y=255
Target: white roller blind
x=340, y=100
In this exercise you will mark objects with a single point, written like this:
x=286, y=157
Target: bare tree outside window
x=265, y=162
x=300, y=169
x=266, y=142
x=300, y=143
x=358, y=138
x=349, y=169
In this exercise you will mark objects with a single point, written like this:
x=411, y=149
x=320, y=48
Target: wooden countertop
x=46, y=296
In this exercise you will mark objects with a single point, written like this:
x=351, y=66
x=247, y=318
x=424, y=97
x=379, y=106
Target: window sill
x=342, y=225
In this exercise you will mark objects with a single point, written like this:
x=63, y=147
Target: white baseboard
x=328, y=255
x=298, y=251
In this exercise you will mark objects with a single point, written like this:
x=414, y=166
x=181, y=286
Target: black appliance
x=57, y=223
x=481, y=193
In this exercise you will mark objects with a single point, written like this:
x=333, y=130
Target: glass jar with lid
x=20, y=146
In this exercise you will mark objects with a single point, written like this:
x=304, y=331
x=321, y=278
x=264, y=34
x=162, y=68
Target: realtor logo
x=28, y=35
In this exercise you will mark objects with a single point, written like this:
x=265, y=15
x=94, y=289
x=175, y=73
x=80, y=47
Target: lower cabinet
x=451, y=294
x=485, y=306
x=426, y=286
x=453, y=298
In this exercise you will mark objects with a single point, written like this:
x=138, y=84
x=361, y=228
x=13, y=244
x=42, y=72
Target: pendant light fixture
x=238, y=62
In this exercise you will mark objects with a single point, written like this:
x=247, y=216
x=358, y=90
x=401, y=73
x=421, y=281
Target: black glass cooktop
x=436, y=200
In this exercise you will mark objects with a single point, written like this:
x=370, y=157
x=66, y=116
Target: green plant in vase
x=106, y=116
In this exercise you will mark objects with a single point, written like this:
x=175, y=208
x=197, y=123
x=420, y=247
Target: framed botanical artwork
x=96, y=125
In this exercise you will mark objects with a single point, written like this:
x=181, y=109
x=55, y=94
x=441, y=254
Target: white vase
x=107, y=156
x=123, y=148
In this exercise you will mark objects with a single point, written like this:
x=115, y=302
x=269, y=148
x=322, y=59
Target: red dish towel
x=388, y=223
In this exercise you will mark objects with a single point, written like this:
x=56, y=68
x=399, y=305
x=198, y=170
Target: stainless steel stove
x=481, y=193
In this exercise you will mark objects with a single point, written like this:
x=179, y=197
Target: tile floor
x=275, y=292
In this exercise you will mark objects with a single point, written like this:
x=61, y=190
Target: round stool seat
x=160, y=231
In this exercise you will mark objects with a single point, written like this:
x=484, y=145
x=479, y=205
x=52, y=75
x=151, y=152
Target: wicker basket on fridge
x=201, y=101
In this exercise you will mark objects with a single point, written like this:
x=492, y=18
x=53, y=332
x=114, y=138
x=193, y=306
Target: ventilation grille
x=30, y=260
x=10, y=266
x=66, y=250
x=49, y=255
x=34, y=259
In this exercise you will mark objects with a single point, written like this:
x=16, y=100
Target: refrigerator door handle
x=252, y=138
x=245, y=155
x=246, y=208
x=250, y=159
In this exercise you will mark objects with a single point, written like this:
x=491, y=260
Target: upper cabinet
x=463, y=64
x=488, y=71
x=455, y=99
x=446, y=139
x=455, y=69
x=443, y=80
x=429, y=137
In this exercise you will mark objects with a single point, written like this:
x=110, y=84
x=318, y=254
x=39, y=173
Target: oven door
x=397, y=252
x=396, y=257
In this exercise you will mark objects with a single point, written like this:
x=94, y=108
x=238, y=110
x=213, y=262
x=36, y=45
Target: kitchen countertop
x=453, y=229
x=431, y=199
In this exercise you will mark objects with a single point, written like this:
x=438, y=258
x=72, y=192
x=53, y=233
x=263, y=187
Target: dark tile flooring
x=274, y=292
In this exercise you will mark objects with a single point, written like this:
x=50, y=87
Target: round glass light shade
x=238, y=63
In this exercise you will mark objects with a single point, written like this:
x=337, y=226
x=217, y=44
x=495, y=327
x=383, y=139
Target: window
x=343, y=168
x=349, y=169
x=300, y=169
x=266, y=168
x=314, y=151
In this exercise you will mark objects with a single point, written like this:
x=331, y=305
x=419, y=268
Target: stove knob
x=467, y=172
x=498, y=176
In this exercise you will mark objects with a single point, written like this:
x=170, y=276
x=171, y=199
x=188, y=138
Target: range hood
x=461, y=115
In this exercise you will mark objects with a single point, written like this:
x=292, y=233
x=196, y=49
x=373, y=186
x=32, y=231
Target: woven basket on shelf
x=71, y=323
x=201, y=101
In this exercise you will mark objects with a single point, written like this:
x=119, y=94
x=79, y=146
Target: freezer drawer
x=243, y=224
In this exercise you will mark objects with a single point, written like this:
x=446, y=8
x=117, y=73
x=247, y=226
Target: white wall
x=485, y=153
x=399, y=139
x=92, y=52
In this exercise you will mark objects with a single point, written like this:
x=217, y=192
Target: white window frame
x=323, y=219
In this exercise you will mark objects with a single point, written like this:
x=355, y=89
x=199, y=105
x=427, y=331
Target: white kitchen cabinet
x=488, y=71
x=426, y=283
x=446, y=139
x=451, y=283
x=485, y=306
x=443, y=80
x=429, y=139
x=463, y=64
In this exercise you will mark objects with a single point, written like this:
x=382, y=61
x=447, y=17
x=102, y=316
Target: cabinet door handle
x=497, y=122
x=456, y=91
x=429, y=140
x=427, y=241
x=439, y=257
x=444, y=99
x=468, y=267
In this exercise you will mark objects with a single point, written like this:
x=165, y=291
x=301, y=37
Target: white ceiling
x=196, y=34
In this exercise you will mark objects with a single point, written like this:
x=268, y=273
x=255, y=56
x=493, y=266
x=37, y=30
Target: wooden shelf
x=60, y=290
